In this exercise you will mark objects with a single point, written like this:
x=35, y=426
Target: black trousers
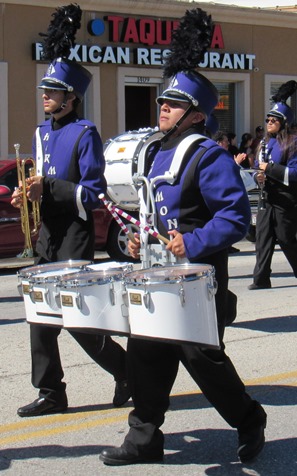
x=274, y=224
x=152, y=369
x=47, y=371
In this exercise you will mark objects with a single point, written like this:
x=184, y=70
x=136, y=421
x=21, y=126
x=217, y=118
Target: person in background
x=221, y=139
x=69, y=177
x=277, y=218
x=245, y=148
x=232, y=144
x=259, y=134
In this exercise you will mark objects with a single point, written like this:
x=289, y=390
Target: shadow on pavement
x=269, y=324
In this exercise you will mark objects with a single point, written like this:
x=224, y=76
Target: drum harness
x=156, y=254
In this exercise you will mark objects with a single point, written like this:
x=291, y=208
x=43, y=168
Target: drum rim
x=134, y=278
x=38, y=269
x=113, y=268
x=90, y=278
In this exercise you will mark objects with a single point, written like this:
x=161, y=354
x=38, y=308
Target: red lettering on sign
x=131, y=31
x=114, y=27
x=217, y=38
x=163, y=32
x=150, y=32
x=147, y=32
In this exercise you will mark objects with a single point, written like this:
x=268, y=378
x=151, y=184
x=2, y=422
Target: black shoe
x=42, y=406
x=120, y=456
x=121, y=393
x=254, y=286
x=250, y=443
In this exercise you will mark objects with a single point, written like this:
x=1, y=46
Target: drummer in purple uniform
x=204, y=210
x=69, y=177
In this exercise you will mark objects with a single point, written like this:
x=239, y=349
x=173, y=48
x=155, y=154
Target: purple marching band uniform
x=217, y=179
x=69, y=155
x=72, y=187
x=278, y=221
x=208, y=204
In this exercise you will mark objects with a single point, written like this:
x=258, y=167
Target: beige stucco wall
x=271, y=36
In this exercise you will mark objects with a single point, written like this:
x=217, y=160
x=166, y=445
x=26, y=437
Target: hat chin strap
x=62, y=106
x=178, y=123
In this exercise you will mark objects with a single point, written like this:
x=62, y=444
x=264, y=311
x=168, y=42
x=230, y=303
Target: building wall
x=270, y=35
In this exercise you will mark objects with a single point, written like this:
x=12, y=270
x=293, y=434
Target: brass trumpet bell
x=30, y=219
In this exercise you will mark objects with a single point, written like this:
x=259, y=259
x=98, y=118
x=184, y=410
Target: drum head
x=52, y=268
x=112, y=265
x=88, y=278
x=169, y=274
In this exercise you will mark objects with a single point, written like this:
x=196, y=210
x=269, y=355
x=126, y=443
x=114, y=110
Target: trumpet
x=27, y=229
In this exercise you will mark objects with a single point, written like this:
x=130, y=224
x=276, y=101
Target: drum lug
x=125, y=297
x=20, y=289
x=78, y=301
x=146, y=299
x=46, y=297
x=57, y=298
x=31, y=294
x=181, y=294
x=212, y=289
x=112, y=294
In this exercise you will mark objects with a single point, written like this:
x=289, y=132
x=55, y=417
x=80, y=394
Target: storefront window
x=224, y=111
x=141, y=107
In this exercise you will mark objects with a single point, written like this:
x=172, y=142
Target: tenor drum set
x=173, y=303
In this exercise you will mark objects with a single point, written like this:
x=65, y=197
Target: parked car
x=109, y=236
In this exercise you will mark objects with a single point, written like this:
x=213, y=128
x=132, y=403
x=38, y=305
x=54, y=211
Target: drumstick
x=138, y=223
x=117, y=218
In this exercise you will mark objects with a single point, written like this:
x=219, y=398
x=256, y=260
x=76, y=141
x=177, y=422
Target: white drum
x=174, y=303
x=95, y=301
x=25, y=290
x=124, y=156
x=41, y=293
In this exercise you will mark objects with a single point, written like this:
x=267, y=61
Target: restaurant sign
x=145, y=42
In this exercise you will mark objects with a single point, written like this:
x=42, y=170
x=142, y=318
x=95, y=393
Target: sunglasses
x=272, y=120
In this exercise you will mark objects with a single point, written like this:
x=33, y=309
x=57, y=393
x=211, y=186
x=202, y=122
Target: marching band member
x=277, y=222
x=70, y=175
x=204, y=211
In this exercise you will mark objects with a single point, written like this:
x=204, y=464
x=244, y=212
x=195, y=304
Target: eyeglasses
x=271, y=119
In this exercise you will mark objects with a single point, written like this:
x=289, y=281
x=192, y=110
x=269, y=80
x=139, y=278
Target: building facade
x=123, y=44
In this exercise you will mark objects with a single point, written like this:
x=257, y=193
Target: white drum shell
x=124, y=156
x=41, y=293
x=95, y=302
x=173, y=311
x=30, y=308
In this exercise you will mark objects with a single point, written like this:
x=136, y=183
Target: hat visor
x=277, y=114
x=47, y=84
x=172, y=96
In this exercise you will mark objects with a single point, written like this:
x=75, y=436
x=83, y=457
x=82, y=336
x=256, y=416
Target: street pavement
x=261, y=343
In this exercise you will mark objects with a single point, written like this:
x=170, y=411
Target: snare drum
x=124, y=156
x=173, y=303
x=41, y=293
x=94, y=301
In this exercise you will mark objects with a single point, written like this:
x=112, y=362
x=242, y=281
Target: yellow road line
x=61, y=429
x=40, y=427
